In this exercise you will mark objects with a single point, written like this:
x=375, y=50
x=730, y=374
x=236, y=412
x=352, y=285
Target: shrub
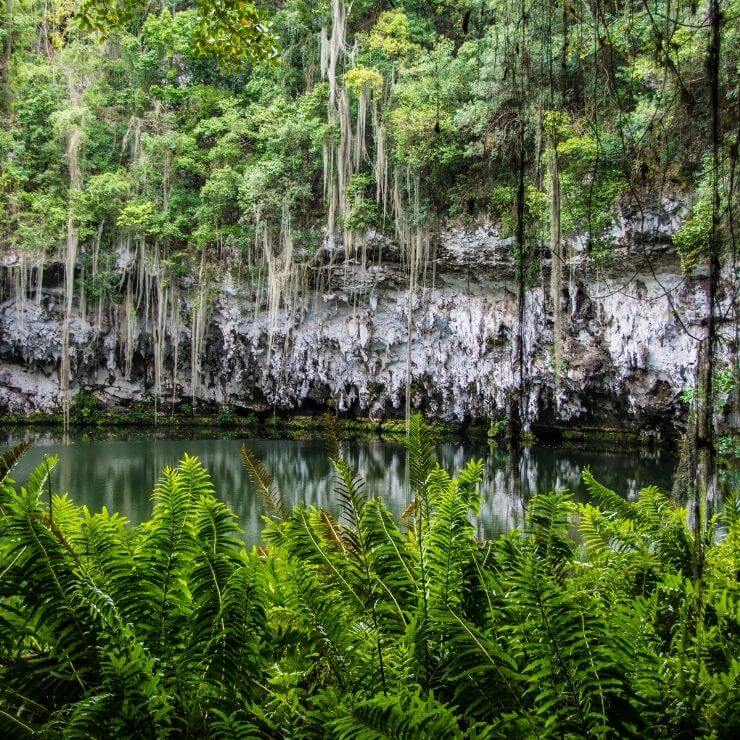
x=363, y=626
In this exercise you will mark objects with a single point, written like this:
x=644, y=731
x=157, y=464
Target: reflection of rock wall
x=627, y=358
x=120, y=473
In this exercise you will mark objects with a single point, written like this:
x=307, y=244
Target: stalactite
x=159, y=326
x=359, y=148
x=198, y=330
x=141, y=270
x=344, y=167
x=39, y=281
x=19, y=281
x=335, y=48
x=323, y=52
x=175, y=331
x=414, y=241
x=129, y=323
x=280, y=270
x=398, y=218
x=518, y=416
x=132, y=140
x=74, y=143
x=98, y=322
x=337, y=154
x=326, y=161
x=381, y=160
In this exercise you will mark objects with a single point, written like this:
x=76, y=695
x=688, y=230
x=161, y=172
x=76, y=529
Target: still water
x=119, y=471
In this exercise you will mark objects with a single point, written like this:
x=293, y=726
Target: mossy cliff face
x=625, y=357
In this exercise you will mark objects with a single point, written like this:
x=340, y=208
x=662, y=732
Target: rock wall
x=628, y=353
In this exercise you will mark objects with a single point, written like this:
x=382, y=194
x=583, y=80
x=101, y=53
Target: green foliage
x=101, y=200
x=358, y=79
x=86, y=410
x=590, y=181
x=9, y=458
x=263, y=483
x=365, y=627
x=231, y=32
x=191, y=157
x=363, y=213
x=390, y=35
x=139, y=217
x=692, y=239
x=226, y=415
x=723, y=384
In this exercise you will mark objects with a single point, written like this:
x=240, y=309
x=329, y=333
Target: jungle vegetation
x=151, y=150
x=588, y=621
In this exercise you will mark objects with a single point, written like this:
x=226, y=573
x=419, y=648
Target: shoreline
x=87, y=417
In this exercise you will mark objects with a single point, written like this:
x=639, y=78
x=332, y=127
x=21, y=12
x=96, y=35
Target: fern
x=336, y=632
x=606, y=498
x=162, y=556
x=47, y=571
x=404, y=717
x=10, y=457
x=450, y=541
x=421, y=453
x=358, y=627
x=266, y=489
x=353, y=505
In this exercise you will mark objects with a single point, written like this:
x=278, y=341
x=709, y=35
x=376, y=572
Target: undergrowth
x=585, y=622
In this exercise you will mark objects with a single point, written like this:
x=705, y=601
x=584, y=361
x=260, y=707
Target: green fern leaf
x=266, y=489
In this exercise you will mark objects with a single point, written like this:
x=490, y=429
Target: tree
x=231, y=31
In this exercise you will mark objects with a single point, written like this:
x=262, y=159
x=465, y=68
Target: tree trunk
x=556, y=256
x=704, y=477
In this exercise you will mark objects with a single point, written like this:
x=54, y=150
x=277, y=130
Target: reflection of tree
x=119, y=472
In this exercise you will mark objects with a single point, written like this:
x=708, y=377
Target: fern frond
x=449, y=546
x=653, y=507
x=37, y=481
x=665, y=525
x=162, y=557
x=332, y=530
x=606, y=499
x=390, y=563
x=405, y=717
x=129, y=697
x=481, y=675
x=330, y=626
x=730, y=514
x=348, y=492
x=330, y=436
x=10, y=457
x=195, y=479
x=104, y=544
x=422, y=454
x=264, y=485
x=235, y=726
x=595, y=531
x=227, y=642
x=437, y=484
x=44, y=573
x=548, y=519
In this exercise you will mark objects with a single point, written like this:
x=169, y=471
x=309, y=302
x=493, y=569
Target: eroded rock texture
x=627, y=349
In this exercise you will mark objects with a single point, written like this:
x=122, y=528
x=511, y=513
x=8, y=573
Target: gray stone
x=626, y=356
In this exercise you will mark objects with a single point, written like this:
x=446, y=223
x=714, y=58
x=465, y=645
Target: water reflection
x=120, y=470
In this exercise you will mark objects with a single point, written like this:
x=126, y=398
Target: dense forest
x=154, y=153
x=145, y=144
x=185, y=184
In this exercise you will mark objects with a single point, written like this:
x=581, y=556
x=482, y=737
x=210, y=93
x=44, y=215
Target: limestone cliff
x=627, y=325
